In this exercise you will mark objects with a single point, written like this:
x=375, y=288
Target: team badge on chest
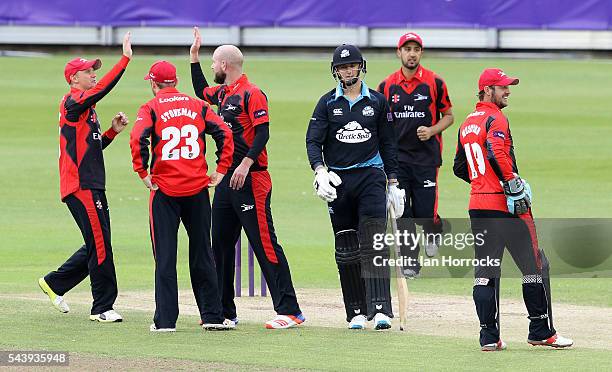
x=368, y=111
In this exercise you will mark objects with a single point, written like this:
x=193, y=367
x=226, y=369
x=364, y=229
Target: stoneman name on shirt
x=173, y=113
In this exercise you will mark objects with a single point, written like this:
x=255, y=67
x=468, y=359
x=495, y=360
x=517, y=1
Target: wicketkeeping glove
x=518, y=195
x=397, y=198
x=324, y=184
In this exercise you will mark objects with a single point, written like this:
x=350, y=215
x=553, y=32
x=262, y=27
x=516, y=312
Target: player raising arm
x=83, y=185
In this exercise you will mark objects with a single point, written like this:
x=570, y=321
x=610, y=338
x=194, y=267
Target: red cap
x=162, y=72
x=411, y=36
x=495, y=76
x=80, y=64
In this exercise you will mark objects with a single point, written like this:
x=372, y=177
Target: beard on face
x=497, y=100
x=500, y=103
x=220, y=77
x=410, y=67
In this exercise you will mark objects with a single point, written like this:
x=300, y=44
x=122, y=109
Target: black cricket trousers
x=90, y=211
x=166, y=212
x=249, y=208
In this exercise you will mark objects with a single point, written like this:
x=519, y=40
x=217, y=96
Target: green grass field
x=560, y=121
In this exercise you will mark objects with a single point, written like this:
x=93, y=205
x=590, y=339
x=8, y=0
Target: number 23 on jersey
x=173, y=149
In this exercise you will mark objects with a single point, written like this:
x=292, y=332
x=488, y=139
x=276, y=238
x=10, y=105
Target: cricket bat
x=402, y=286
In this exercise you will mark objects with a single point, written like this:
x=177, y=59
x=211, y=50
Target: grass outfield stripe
x=251, y=345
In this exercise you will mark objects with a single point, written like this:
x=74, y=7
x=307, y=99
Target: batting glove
x=324, y=184
x=396, y=197
x=517, y=194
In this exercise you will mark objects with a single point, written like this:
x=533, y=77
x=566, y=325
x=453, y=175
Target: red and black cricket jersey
x=242, y=106
x=174, y=124
x=417, y=102
x=81, y=163
x=485, y=156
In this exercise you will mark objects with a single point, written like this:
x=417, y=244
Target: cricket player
x=421, y=107
x=174, y=124
x=83, y=184
x=500, y=211
x=242, y=199
x=351, y=148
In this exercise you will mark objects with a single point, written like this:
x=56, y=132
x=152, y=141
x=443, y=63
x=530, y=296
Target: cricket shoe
x=431, y=249
x=556, y=341
x=285, y=321
x=57, y=301
x=358, y=322
x=109, y=316
x=153, y=328
x=411, y=274
x=381, y=322
x=496, y=346
x=227, y=325
x=234, y=320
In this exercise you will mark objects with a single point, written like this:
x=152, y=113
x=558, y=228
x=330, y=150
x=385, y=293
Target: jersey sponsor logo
x=247, y=207
x=353, y=132
x=408, y=113
x=260, y=113
x=429, y=183
x=420, y=97
x=395, y=98
x=499, y=134
x=230, y=107
x=174, y=113
x=368, y=111
x=476, y=113
x=338, y=112
x=97, y=136
x=345, y=53
x=471, y=128
x=389, y=117
x=173, y=99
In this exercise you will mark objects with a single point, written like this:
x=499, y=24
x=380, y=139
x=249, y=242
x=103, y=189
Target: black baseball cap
x=345, y=54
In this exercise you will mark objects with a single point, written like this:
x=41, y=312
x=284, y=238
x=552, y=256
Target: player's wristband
x=111, y=133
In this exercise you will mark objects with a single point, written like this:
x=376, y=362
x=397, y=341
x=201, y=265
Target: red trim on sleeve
x=103, y=84
x=111, y=133
x=258, y=108
x=139, y=140
x=497, y=136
